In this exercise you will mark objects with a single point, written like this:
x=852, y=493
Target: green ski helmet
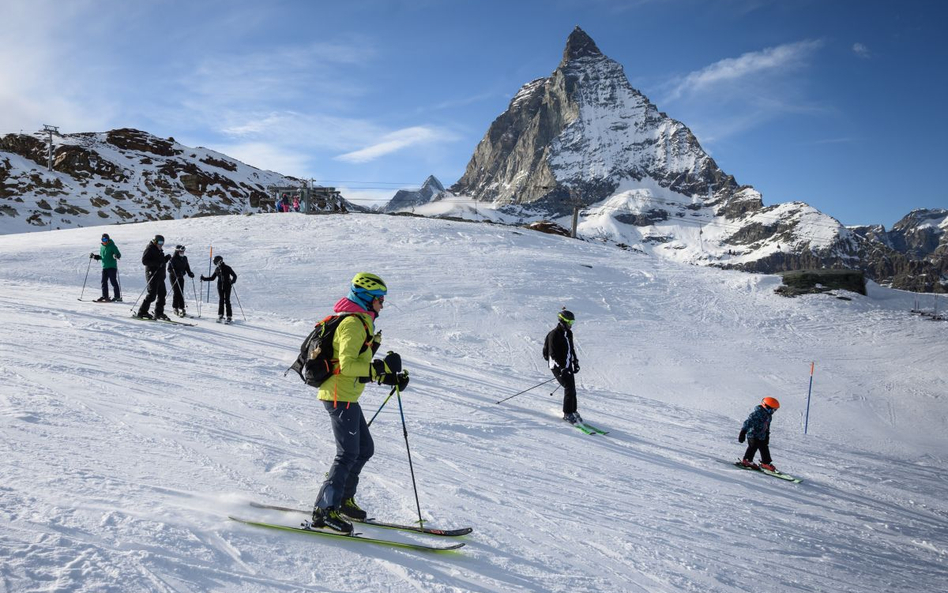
x=567, y=317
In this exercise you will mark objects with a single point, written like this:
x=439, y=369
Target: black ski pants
x=755, y=445
x=110, y=275
x=568, y=380
x=354, y=447
x=156, y=290
x=177, y=292
x=223, y=295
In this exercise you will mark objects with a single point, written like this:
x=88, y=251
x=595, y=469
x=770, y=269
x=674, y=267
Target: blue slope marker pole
x=806, y=421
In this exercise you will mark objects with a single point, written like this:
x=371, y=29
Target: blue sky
x=838, y=103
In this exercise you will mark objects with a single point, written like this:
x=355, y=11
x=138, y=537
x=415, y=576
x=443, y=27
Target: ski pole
x=806, y=420
x=118, y=280
x=555, y=390
x=525, y=390
x=421, y=522
x=89, y=267
x=147, y=282
x=238, y=303
x=197, y=301
x=209, y=258
x=390, y=394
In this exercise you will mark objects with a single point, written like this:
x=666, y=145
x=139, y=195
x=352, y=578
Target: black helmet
x=218, y=259
x=159, y=239
x=567, y=317
x=179, y=247
x=105, y=235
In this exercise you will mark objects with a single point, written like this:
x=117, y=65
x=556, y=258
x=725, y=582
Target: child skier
x=757, y=431
x=226, y=278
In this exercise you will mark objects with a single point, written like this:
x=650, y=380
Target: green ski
x=376, y=523
x=349, y=537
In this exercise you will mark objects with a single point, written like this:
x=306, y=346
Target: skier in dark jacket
x=756, y=430
x=154, y=259
x=178, y=268
x=559, y=352
x=226, y=278
x=109, y=255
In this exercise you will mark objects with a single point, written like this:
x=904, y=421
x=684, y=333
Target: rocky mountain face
x=123, y=175
x=584, y=137
x=914, y=253
x=431, y=191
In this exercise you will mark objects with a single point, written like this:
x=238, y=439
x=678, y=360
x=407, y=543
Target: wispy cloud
x=861, y=50
x=396, y=141
x=747, y=67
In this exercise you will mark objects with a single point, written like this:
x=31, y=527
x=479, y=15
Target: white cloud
x=396, y=141
x=748, y=67
x=862, y=51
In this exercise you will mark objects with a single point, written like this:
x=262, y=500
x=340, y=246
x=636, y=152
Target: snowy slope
x=127, y=443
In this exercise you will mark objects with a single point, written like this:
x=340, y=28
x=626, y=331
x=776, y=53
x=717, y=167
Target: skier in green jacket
x=353, y=345
x=109, y=255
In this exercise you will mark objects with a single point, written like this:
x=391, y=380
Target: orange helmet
x=771, y=402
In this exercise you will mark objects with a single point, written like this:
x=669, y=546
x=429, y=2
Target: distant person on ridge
x=178, y=268
x=109, y=255
x=154, y=259
x=353, y=343
x=756, y=430
x=559, y=352
x=226, y=278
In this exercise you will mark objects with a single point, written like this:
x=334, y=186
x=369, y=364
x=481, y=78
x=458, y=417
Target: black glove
x=393, y=379
x=191, y=274
x=575, y=367
x=203, y=279
x=740, y=437
x=95, y=256
x=391, y=364
x=167, y=257
x=117, y=256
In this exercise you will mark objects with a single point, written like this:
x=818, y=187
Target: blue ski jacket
x=757, y=425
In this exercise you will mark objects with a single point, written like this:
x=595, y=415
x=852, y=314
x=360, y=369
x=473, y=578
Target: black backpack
x=315, y=361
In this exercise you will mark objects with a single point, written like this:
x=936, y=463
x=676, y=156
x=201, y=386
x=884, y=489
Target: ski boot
x=220, y=319
x=117, y=300
x=332, y=519
x=144, y=315
x=102, y=300
x=768, y=466
x=748, y=464
x=162, y=317
x=571, y=418
x=351, y=509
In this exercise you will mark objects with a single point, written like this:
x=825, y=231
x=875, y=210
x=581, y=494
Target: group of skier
x=354, y=344
x=157, y=263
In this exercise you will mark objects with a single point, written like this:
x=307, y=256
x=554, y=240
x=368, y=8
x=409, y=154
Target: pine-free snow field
x=126, y=445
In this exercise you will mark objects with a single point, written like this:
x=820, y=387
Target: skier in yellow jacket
x=354, y=344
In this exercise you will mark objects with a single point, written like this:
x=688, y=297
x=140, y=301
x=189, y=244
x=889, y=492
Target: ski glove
x=117, y=256
x=575, y=367
x=395, y=379
x=191, y=274
x=392, y=363
x=95, y=256
x=740, y=437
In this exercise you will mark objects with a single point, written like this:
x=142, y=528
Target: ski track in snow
x=127, y=444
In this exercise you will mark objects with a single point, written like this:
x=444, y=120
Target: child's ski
x=776, y=474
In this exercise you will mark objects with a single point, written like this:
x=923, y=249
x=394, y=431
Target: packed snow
x=128, y=443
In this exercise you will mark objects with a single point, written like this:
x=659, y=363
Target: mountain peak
x=580, y=45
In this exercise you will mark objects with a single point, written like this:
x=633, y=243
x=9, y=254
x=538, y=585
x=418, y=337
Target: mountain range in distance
x=582, y=137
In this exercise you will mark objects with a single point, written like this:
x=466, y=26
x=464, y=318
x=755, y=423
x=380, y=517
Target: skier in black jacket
x=178, y=268
x=226, y=278
x=154, y=259
x=558, y=350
